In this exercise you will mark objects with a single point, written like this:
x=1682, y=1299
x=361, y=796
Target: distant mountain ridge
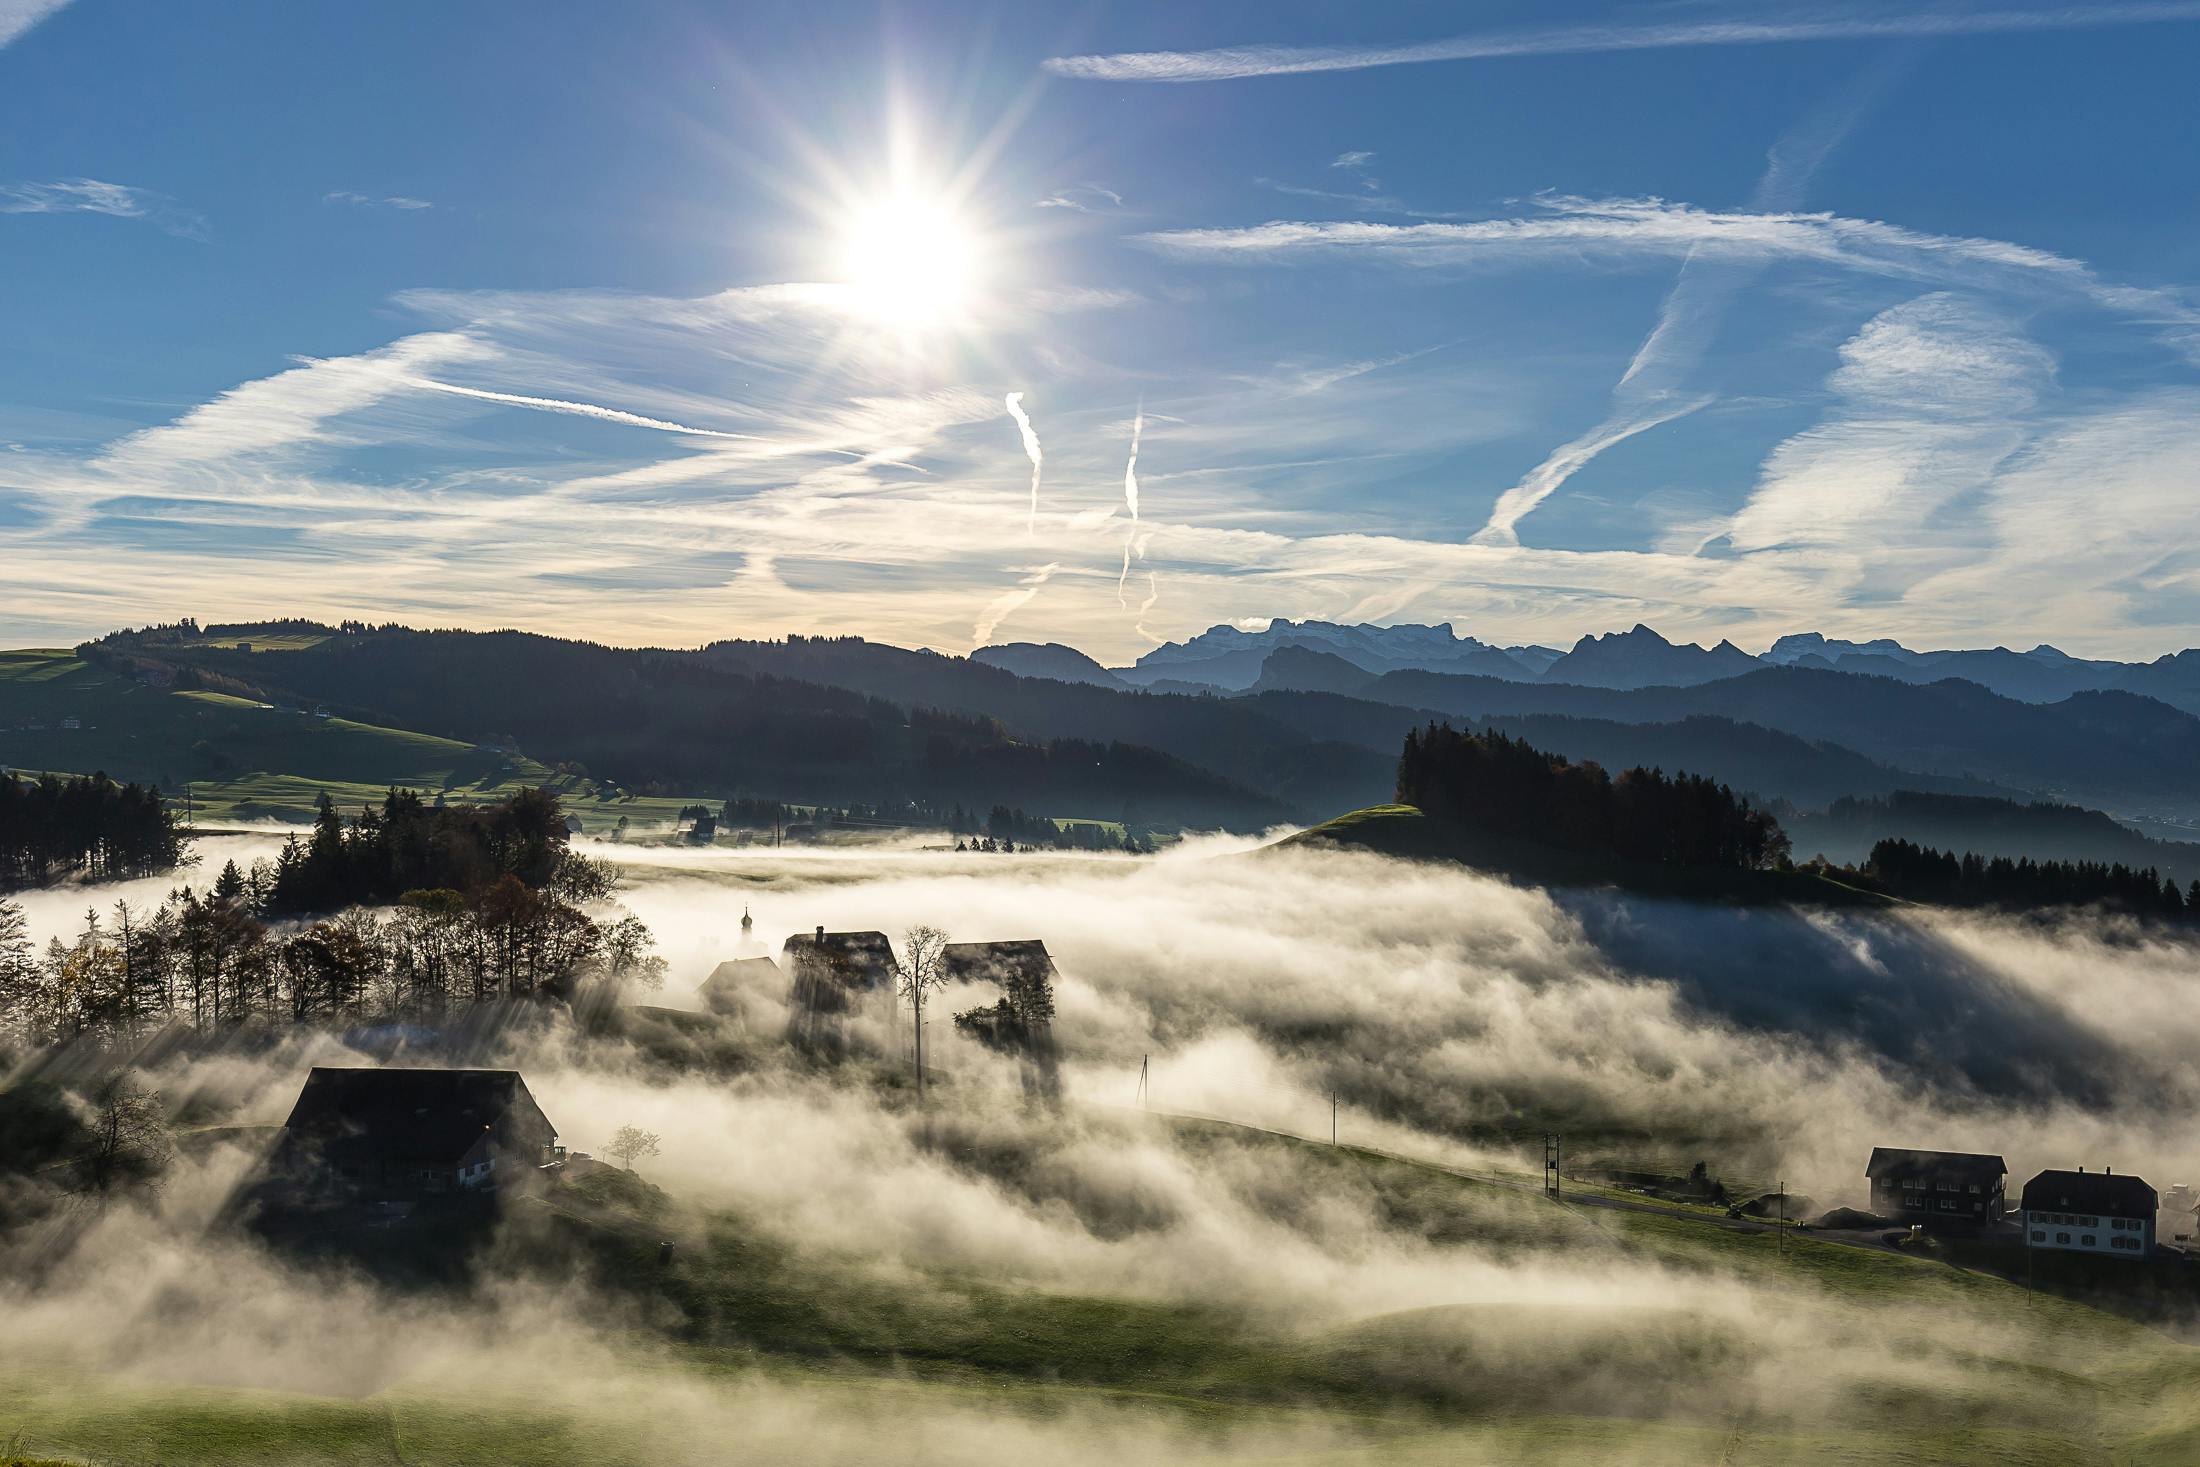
x=1235, y=659
x=1230, y=657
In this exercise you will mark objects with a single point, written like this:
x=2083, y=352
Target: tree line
x=405, y=844
x=1506, y=787
x=500, y=914
x=88, y=827
x=1922, y=873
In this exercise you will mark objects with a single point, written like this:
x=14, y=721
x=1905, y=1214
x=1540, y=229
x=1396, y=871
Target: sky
x=949, y=324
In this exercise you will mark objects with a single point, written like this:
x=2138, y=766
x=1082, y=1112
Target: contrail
x=1130, y=470
x=1130, y=497
x=1031, y=451
x=576, y=409
x=1234, y=62
x=1153, y=594
x=1001, y=607
x=1649, y=393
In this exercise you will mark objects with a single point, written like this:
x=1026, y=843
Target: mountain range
x=1234, y=659
x=1307, y=731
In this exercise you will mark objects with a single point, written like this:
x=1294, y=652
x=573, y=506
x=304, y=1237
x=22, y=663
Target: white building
x=2090, y=1212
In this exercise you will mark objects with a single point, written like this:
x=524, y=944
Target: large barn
x=412, y=1132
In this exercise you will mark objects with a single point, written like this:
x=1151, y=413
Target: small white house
x=2090, y=1212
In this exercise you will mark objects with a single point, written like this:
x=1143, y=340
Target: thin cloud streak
x=576, y=409
x=374, y=201
x=1130, y=497
x=1015, y=403
x=97, y=196
x=1232, y=63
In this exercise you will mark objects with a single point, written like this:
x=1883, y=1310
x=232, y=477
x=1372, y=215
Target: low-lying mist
x=1448, y=1016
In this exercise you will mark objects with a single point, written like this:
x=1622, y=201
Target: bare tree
x=128, y=1145
x=923, y=971
x=631, y=1144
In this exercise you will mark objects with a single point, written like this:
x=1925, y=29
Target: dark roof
x=996, y=962
x=1898, y=1162
x=736, y=970
x=2101, y=1193
x=857, y=959
x=407, y=1112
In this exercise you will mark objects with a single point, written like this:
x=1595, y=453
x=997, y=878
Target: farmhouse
x=413, y=1132
x=2090, y=1212
x=720, y=992
x=1936, y=1188
x=835, y=974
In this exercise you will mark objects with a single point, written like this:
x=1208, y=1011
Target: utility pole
x=1552, y=1154
x=1144, y=1098
x=1332, y=1117
x=1783, y=1217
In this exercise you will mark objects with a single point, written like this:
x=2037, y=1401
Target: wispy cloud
x=1083, y=197
x=1234, y=62
x=374, y=201
x=18, y=16
x=1355, y=160
x=96, y=196
x=1930, y=397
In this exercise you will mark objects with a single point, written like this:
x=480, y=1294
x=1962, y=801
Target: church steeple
x=748, y=923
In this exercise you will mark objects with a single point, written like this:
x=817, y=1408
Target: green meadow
x=745, y=1348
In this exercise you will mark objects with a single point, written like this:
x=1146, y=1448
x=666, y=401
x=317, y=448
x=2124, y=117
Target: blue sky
x=664, y=323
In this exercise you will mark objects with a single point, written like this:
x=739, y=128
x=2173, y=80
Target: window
x=2088, y=1240
x=2039, y=1235
x=2062, y=1237
x=1974, y=1189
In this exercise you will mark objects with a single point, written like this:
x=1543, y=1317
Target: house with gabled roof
x=834, y=977
x=1936, y=1189
x=395, y=1132
x=2090, y=1212
x=720, y=993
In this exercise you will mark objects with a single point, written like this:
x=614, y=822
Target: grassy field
x=750, y=1332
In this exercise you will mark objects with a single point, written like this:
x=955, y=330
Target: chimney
x=820, y=932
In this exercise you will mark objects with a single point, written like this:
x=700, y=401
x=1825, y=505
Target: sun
x=911, y=261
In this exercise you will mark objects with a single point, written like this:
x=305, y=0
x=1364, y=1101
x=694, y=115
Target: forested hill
x=686, y=723
x=1847, y=830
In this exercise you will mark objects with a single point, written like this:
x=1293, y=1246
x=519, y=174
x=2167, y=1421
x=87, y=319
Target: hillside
x=242, y=757
x=691, y=722
x=799, y=1353
x=2122, y=752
